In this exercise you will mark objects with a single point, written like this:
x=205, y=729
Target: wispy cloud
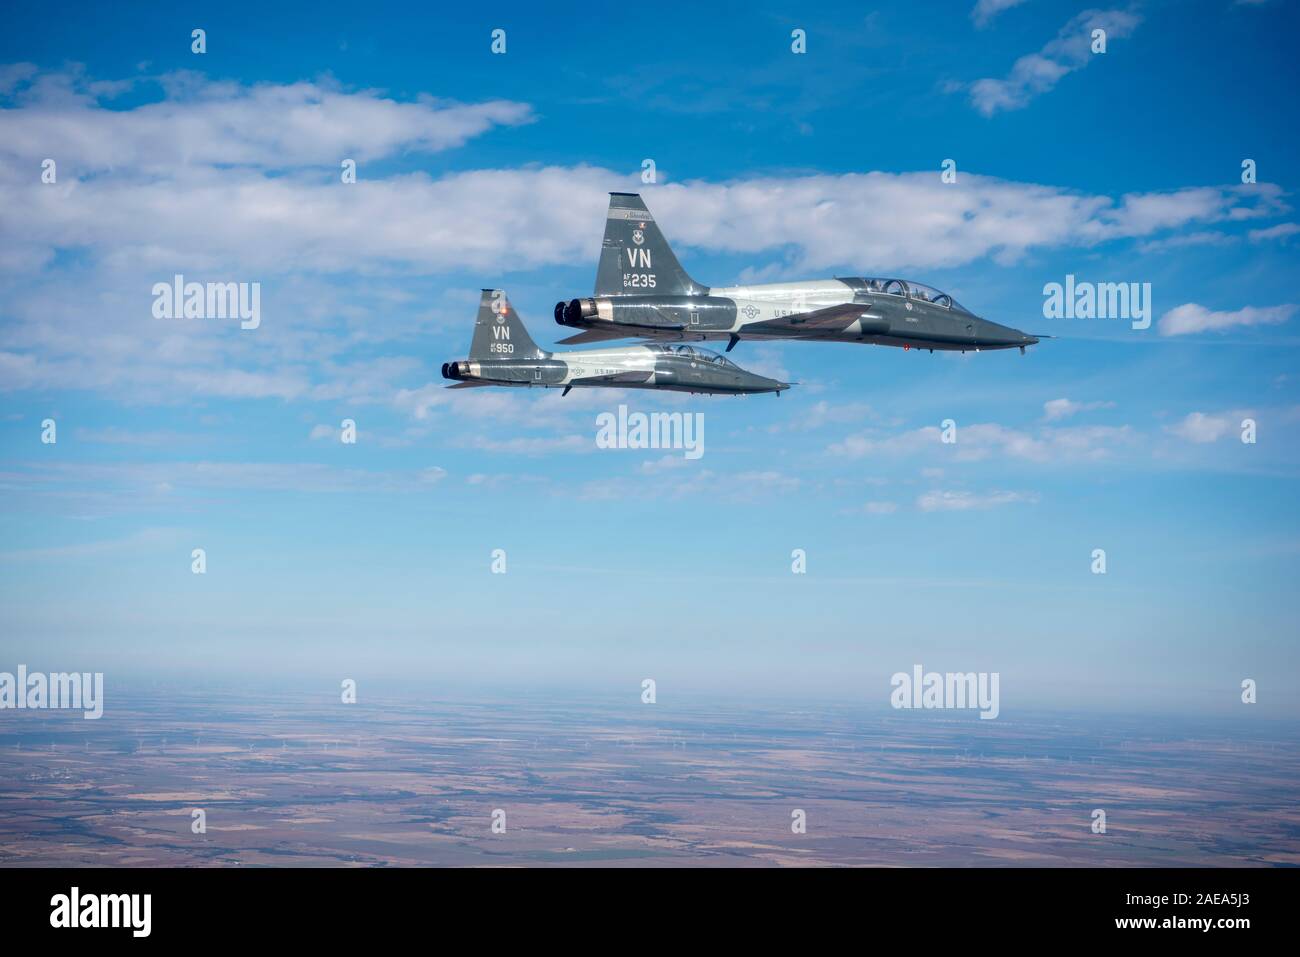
x=1037, y=73
x=1055, y=409
x=142, y=540
x=1191, y=318
x=534, y=445
x=1185, y=240
x=1280, y=231
x=963, y=501
x=985, y=10
x=167, y=478
x=985, y=440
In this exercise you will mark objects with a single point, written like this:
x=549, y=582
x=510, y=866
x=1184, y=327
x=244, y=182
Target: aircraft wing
x=616, y=378
x=829, y=319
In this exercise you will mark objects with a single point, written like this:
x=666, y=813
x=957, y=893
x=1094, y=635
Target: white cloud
x=1059, y=409
x=200, y=122
x=1055, y=409
x=1037, y=73
x=165, y=478
x=763, y=480
x=985, y=10
x=418, y=402
x=1202, y=428
x=147, y=539
x=1185, y=240
x=665, y=463
x=1280, y=231
x=535, y=445
x=961, y=501
x=1191, y=318
x=159, y=211
x=981, y=441
x=234, y=215
x=661, y=481
x=219, y=222
x=823, y=413
x=874, y=442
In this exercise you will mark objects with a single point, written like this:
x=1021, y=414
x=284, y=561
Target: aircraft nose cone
x=759, y=383
x=999, y=336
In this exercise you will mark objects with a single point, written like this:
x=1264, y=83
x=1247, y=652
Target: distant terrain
x=299, y=780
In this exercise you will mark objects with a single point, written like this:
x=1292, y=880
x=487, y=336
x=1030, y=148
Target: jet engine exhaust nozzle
x=575, y=311
x=455, y=370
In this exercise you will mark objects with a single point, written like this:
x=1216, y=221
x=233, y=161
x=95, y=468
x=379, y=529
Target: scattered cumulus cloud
x=125, y=214
x=1202, y=428
x=284, y=210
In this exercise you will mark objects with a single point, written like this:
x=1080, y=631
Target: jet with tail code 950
x=502, y=353
x=643, y=292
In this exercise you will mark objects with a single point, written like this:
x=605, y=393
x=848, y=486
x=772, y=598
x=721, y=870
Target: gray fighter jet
x=643, y=292
x=502, y=353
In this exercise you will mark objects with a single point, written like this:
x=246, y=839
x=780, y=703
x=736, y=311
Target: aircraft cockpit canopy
x=698, y=355
x=914, y=290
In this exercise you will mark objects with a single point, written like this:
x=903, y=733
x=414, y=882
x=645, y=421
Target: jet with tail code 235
x=643, y=292
x=502, y=353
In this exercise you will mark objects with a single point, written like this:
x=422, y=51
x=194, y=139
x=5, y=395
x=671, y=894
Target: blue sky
x=474, y=169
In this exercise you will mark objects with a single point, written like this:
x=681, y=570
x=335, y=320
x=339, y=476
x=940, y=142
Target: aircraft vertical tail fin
x=499, y=333
x=635, y=258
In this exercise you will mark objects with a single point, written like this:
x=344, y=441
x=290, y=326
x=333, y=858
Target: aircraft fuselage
x=651, y=366
x=889, y=313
